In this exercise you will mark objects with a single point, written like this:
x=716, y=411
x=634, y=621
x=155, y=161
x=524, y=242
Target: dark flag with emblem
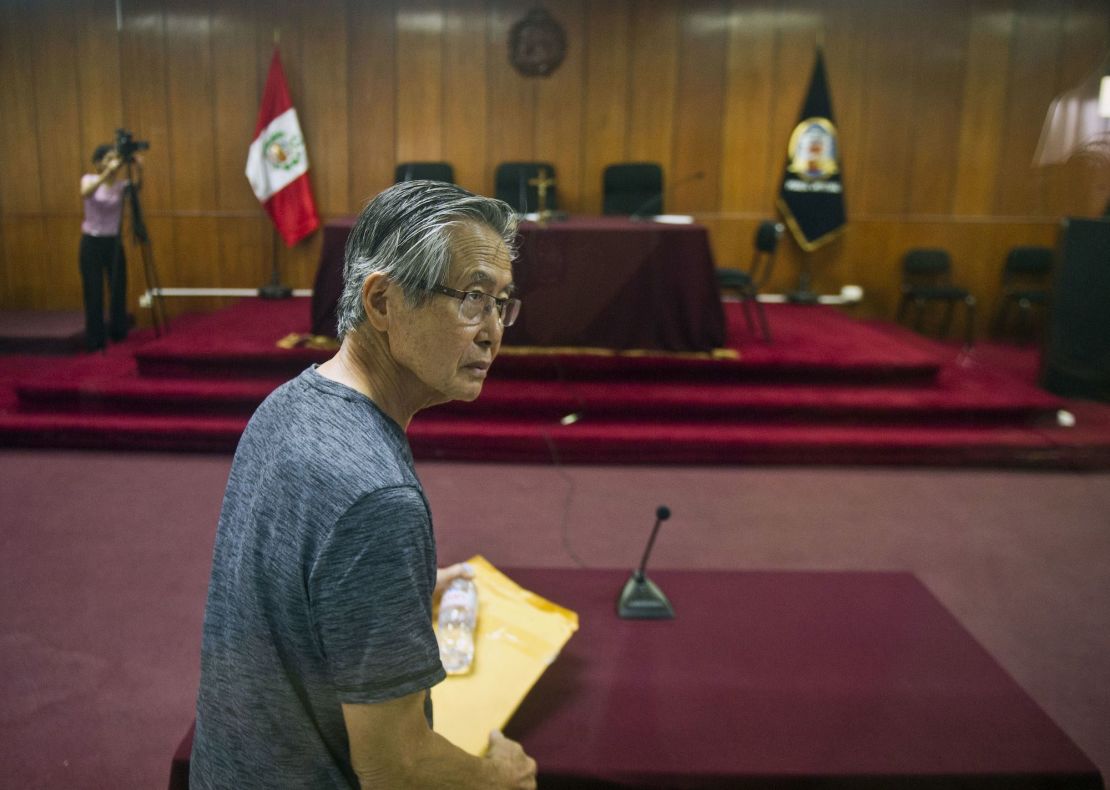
x=811, y=196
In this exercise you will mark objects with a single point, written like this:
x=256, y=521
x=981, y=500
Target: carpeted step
x=42, y=332
x=604, y=442
x=968, y=398
x=121, y=432
x=831, y=390
x=185, y=397
x=812, y=344
x=608, y=442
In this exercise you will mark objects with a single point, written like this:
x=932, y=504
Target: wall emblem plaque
x=537, y=44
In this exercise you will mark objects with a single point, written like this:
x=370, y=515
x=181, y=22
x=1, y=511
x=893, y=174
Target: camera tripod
x=142, y=239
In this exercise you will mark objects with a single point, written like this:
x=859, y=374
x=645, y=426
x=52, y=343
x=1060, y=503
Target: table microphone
x=641, y=599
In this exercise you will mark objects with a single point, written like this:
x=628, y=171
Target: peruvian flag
x=277, y=163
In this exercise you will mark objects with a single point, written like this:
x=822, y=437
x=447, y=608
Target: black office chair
x=1024, y=283
x=634, y=188
x=510, y=183
x=926, y=277
x=747, y=284
x=431, y=171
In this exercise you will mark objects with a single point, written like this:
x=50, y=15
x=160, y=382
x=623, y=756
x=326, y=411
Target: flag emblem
x=283, y=150
x=812, y=150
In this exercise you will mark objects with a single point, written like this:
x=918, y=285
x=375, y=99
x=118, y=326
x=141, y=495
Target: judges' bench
x=607, y=282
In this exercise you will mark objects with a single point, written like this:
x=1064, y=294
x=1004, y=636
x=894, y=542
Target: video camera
x=126, y=145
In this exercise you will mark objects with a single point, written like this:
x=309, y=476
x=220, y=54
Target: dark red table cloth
x=605, y=282
x=779, y=680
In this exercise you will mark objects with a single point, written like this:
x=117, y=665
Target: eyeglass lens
x=475, y=305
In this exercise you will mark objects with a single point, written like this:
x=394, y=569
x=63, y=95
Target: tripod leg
x=157, y=304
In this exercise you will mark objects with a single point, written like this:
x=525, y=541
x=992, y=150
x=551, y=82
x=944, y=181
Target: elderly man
x=318, y=647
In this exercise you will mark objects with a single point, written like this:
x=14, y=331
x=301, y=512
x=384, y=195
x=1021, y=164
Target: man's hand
x=517, y=768
x=444, y=576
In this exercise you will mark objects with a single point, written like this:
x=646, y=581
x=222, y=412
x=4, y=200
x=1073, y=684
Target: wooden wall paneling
x=797, y=31
x=846, y=63
x=7, y=282
x=887, y=138
x=322, y=104
x=701, y=96
x=605, y=96
x=846, y=66
x=99, y=92
x=653, y=85
x=1019, y=186
x=877, y=245
x=244, y=251
x=746, y=183
x=195, y=252
x=20, y=167
x=59, y=128
x=58, y=275
x=510, y=98
x=465, y=103
x=559, y=109
x=235, y=101
x=371, y=69
x=145, y=102
x=420, y=44
x=24, y=236
x=982, y=107
x=190, y=84
x=940, y=61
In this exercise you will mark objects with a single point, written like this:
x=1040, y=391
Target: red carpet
x=830, y=390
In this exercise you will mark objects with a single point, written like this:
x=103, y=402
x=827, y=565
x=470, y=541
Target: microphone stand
x=641, y=599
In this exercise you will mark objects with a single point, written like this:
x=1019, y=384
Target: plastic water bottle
x=458, y=615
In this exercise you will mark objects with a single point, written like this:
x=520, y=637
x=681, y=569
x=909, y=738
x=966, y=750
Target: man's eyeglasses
x=474, y=306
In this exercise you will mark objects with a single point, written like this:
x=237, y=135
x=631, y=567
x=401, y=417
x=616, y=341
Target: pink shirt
x=103, y=207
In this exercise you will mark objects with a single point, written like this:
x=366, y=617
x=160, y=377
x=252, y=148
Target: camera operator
x=101, y=252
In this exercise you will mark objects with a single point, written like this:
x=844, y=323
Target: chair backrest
x=1029, y=261
x=766, y=244
x=431, y=171
x=632, y=188
x=510, y=183
x=920, y=263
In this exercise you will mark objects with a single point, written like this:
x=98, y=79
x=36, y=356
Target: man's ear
x=374, y=300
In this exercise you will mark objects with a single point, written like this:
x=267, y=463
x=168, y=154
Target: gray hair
x=405, y=232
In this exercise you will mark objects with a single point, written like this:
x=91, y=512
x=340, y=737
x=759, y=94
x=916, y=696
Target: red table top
x=761, y=676
x=774, y=679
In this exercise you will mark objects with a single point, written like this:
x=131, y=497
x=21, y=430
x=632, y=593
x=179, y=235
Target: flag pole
x=274, y=289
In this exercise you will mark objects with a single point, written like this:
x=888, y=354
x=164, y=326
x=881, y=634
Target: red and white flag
x=277, y=163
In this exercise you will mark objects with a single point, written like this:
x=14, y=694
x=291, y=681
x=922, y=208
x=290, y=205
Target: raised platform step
x=42, y=331
x=975, y=399
x=831, y=390
x=812, y=344
x=602, y=442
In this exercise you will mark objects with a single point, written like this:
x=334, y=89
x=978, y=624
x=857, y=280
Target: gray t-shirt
x=321, y=590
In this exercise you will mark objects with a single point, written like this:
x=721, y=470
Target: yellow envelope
x=519, y=634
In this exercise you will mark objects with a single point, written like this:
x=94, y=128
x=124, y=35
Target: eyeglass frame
x=499, y=302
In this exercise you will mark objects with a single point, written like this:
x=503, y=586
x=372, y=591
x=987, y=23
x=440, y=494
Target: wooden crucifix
x=542, y=182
